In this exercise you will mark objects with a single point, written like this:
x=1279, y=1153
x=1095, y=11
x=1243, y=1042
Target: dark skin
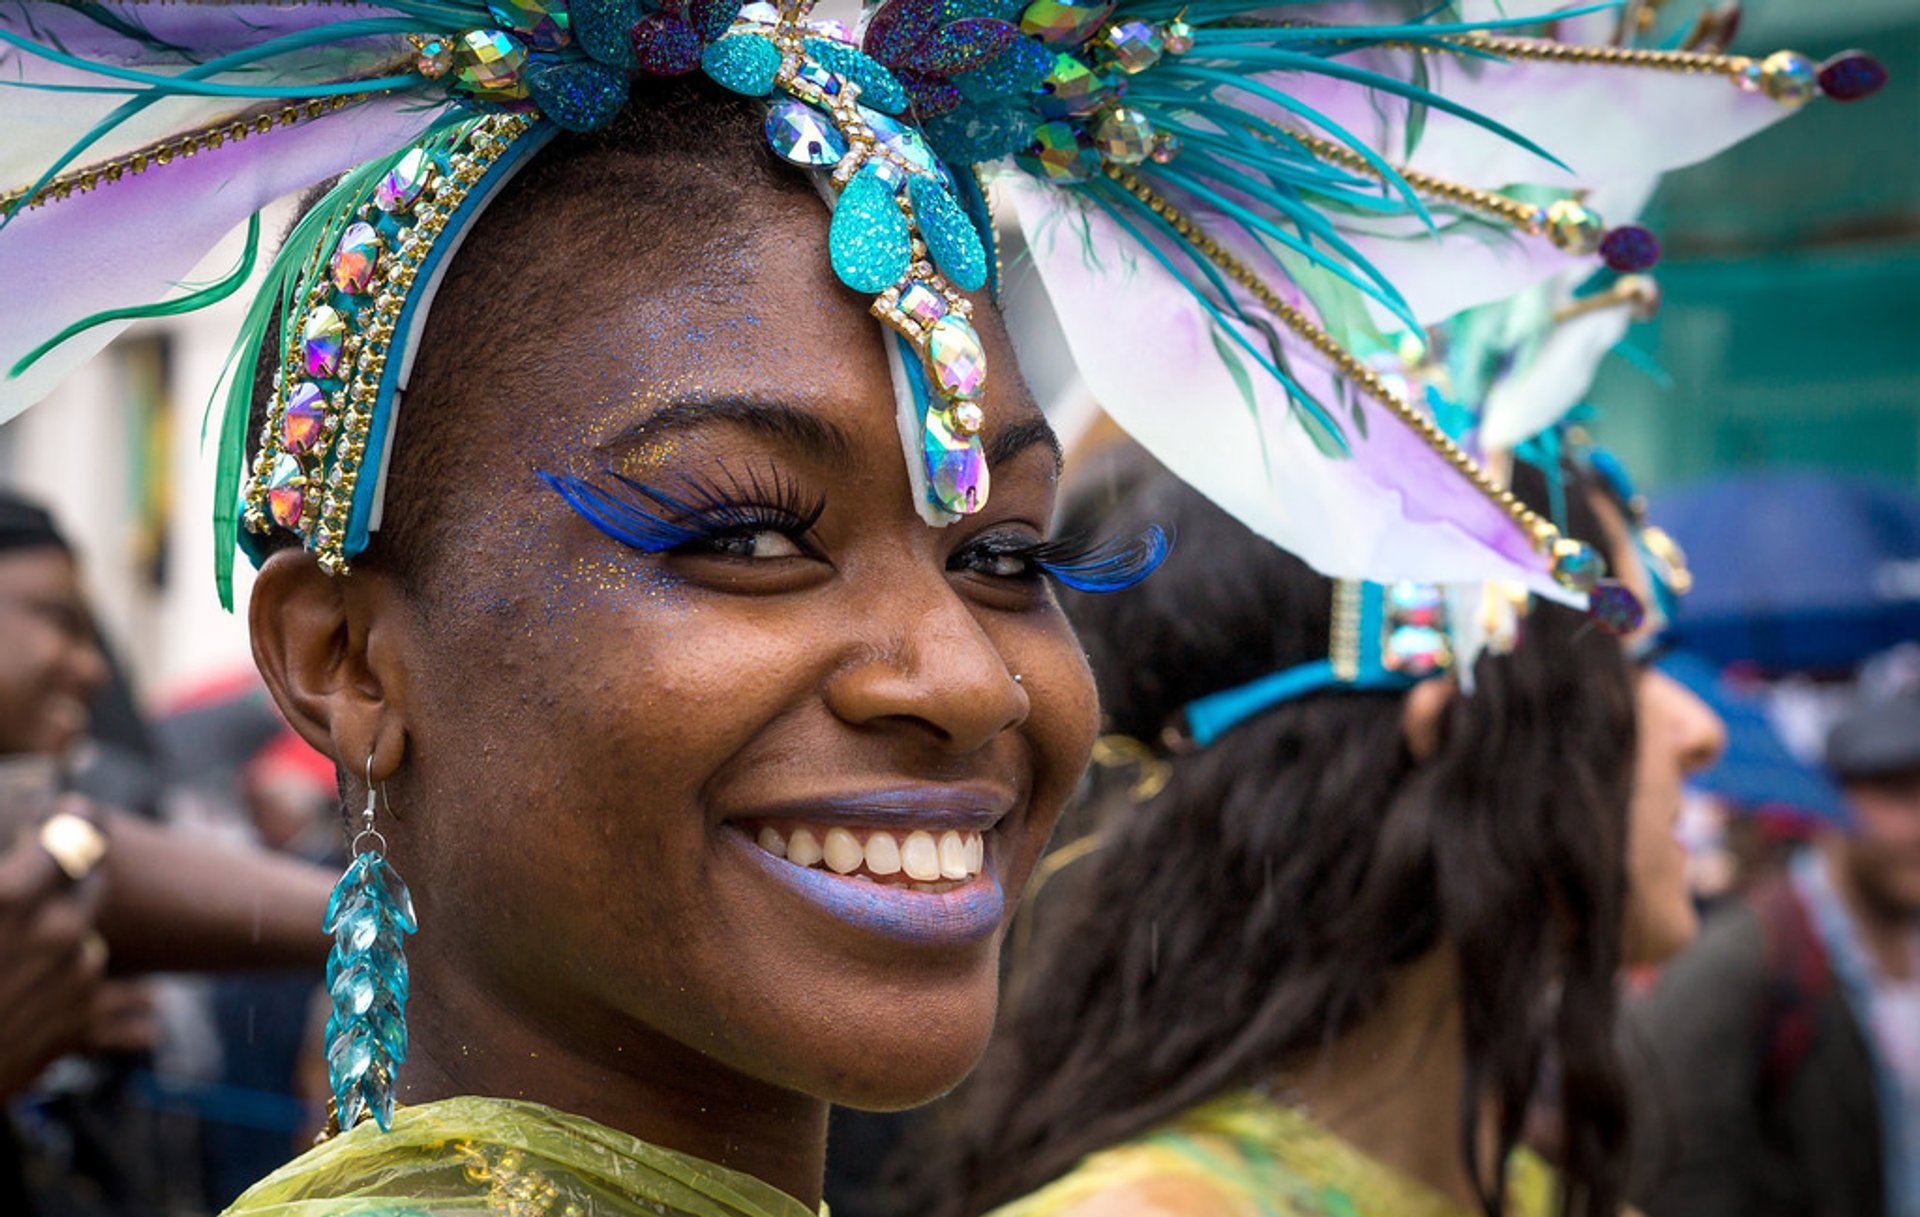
x=571, y=732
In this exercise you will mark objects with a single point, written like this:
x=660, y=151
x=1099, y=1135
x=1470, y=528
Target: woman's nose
x=1696, y=729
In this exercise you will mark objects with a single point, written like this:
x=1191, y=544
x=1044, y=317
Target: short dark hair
x=673, y=160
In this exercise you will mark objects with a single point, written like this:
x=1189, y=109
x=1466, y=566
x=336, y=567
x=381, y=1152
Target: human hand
x=51, y=962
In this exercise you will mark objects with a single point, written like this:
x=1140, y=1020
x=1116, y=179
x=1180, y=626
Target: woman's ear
x=330, y=648
x=1420, y=715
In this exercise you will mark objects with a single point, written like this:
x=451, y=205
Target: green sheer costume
x=1246, y=1155
x=497, y=1156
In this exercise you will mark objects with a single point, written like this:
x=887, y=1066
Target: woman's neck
x=1391, y=1087
x=614, y=1073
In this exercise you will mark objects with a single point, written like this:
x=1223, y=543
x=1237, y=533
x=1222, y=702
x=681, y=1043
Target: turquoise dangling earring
x=369, y=916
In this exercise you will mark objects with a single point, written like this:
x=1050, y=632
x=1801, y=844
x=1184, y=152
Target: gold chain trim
x=163, y=152
x=1541, y=531
x=1545, y=50
x=1513, y=211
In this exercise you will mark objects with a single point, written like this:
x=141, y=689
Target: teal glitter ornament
x=868, y=240
x=600, y=27
x=878, y=87
x=949, y=234
x=745, y=63
x=577, y=94
x=369, y=915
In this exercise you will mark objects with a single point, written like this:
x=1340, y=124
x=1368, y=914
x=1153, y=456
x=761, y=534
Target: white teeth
x=953, y=856
x=976, y=853
x=883, y=854
x=920, y=857
x=843, y=851
x=803, y=850
x=771, y=841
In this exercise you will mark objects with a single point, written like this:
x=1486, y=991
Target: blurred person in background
x=1318, y=963
x=80, y=883
x=1784, y=1048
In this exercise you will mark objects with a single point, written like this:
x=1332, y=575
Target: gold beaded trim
x=163, y=152
x=1521, y=215
x=1343, y=642
x=1545, y=537
x=349, y=414
x=1734, y=67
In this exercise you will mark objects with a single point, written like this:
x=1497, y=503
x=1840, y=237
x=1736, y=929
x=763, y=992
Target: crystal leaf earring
x=369, y=915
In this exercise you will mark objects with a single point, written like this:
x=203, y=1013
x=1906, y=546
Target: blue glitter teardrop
x=578, y=95
x=868, y=240
x=1011, y=75
x=949, y=235
x=745, y=63
x=878, y=87
x=600, y=27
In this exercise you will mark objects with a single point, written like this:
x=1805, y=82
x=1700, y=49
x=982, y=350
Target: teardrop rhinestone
x=322, y=341
x=803, y=135
x=356, y=257
x=400, y=187
x=1072, y=88
x=1061, y=154
x=488, y=65
x=1852, y=75
x=956, y=465
x=1132, y=46
x=1068, y=22
x=286, y=491
x=306, y=418
x=958, y=361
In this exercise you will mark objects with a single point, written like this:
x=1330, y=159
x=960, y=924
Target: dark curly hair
x=1256, y=908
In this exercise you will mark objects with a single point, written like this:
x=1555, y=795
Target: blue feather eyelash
x=1108, y=566
x=654, y=520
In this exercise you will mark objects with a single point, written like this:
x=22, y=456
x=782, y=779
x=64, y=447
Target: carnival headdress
x=1233, y=207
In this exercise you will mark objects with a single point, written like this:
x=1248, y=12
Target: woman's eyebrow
x=816, y=437
x=1011, y=441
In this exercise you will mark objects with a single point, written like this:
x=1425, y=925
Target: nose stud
x=1018, y=679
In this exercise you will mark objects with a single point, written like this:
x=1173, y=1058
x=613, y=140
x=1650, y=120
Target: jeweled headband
x=1239, y=215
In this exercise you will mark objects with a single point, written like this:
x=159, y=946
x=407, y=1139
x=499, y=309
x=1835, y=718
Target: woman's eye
x=996, y=563
x=758, y=544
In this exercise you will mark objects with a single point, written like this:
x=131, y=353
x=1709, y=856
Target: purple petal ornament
x=1630, y=249
x=962, y=46
x=930, y=95
x=1614, y=607
x=665, y=45
x=1852, y=75
x=899, y=28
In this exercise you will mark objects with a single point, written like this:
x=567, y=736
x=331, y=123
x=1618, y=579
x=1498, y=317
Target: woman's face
x=1677, y=734
x=623, y=768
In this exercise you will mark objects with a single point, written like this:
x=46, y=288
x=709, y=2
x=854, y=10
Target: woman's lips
x=915, y=866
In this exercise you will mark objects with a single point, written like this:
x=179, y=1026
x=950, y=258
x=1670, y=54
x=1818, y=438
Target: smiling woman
x=707, y=757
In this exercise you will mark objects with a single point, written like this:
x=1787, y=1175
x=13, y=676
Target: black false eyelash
x=654, y=520
x=1084, y=565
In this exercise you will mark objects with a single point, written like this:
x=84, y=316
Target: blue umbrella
x=1756, y=771
x=1796, y=571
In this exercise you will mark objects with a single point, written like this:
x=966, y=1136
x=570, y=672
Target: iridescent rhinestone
x=1131, y=46
x=1574, y=228
x=1416, y=650
x=1065, y=22
x=968, y=419
x=488, y=63
x=803, y=135
x=286, y=491
x=1072, y=88
x=1124, y=136
x=433, y=57
x=1179, y=38
x=922, y=303
x=1061, y=154
x=1630, y=248
x=956, y=465
x=1614, y=607
x=306, y=418
x=821, y=79
x=356, y=258
x=1166, y=146
x=1408, y=603
x=903, y=141
x=1852, y=75
x=1789, y=78
x=542, y=23
x=322, y=341
x=958, y=361
x=401, y=186
x=1576, y=565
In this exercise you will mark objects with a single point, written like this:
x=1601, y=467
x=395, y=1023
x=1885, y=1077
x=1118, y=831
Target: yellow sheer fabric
x=469, y=1157
x=1247, y=1156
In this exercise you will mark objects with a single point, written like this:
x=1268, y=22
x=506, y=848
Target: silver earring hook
x=368, y=833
